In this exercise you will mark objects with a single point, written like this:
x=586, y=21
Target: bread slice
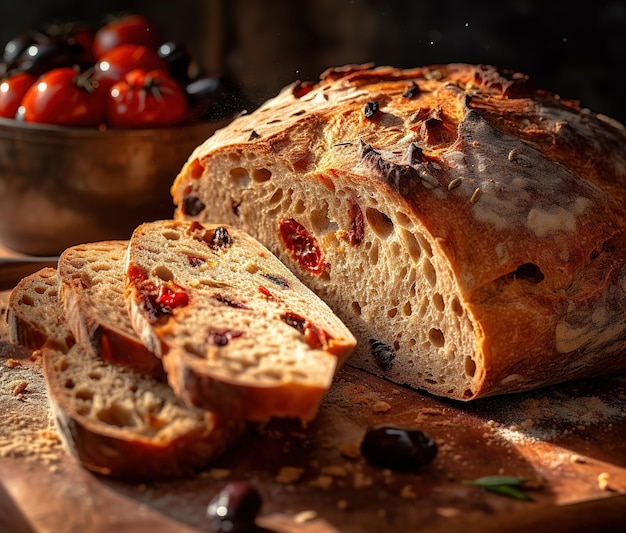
x=468, y=228
x=91, y=292
x=114, y=420
x=126, y=425
x=237, y=331
x=33, y=316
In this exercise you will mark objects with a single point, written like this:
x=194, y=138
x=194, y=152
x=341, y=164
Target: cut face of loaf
x=91, y=293
x=237, y=332
x=123, y=424
x=468, y=229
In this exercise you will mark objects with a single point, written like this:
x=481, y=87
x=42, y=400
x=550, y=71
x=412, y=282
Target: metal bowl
x=63, y=186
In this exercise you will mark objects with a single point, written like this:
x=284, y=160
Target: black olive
x=41, y=57
x=14, y=48
x=214, y=98
x=182, y=66
x=398, y=448
x=234, y=508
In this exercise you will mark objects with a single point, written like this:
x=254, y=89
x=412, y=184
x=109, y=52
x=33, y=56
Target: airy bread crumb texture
x=419, y=286
x=119, y=399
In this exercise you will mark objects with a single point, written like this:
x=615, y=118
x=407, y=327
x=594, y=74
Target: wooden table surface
x=568, y=441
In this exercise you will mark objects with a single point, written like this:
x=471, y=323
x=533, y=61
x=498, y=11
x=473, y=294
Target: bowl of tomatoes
x=94, y=127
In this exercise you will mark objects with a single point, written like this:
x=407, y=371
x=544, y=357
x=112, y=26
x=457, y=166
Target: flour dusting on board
x=548, y=418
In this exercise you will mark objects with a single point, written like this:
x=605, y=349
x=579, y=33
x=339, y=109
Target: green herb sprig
x=505, y=485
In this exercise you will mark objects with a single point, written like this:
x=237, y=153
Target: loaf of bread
x=114, y=420
x=237, y=332
x=467, y=227
x=91, y=292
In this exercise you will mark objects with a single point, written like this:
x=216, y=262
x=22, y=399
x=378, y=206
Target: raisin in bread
x=91, y=292
x=237, y=332
x=33, y=316
x=468, y=228
x=123, y=424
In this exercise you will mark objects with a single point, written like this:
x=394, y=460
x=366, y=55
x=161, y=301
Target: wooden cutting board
x=569, y=441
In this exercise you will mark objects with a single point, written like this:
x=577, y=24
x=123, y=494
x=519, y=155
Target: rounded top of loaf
x=497, y=171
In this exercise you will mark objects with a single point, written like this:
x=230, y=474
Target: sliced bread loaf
x=91, y=292
x=237, y=331
x=123, y=424
x=467, y=226
x=33, y=316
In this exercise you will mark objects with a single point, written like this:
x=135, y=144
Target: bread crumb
x=527, y=424
x=305, y=516
x=360, y=395
x=12, y=363
x=351, y=450
x=49, y=434
x=335, y=470
x=219, y=473
x=603, y=481
x=381, y=407
x=431, y=411
x=447, y=512
x=322, y=482
x=35, y=355
x=408, y=492
x=361, y=480
x=342, y=505
x=20, y=388
x=289, y=474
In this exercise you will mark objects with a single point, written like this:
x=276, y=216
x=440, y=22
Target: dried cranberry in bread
x=33, y=315
x=91, y=293
x=468, y=228
x=238, y=333
x=123, y=424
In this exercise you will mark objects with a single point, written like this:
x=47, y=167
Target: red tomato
x=12, y=90
x=77, y=36
x=146, y=99
x=130, y=29
x=302, y=246
x=116, y=63
x=65, y=97
x=82, y=38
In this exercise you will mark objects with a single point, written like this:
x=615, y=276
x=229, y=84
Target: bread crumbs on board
x=289, y=474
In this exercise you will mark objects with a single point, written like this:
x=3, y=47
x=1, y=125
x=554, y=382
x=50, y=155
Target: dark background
x=577, y=50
